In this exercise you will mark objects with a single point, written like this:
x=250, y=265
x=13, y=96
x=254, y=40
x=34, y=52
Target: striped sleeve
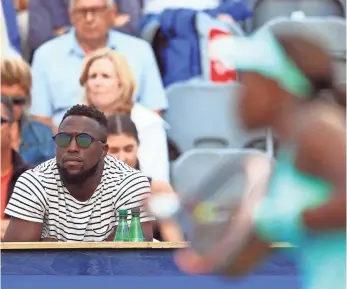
x=27, y=201
x=132, y=192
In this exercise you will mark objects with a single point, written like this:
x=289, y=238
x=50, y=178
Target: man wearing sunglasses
x=75, y=196
x=12, y=165
x=31, y=138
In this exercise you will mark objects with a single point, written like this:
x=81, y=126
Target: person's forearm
x=170, y=231
x=253, y=254
x=4, y=225
x=331, y=215
x=147, y=229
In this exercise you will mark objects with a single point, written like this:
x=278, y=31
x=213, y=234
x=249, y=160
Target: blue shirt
x=57, y=66
x=37, y=145
x=47, y=15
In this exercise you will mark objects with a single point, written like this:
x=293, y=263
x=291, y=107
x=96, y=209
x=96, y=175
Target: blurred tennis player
x=282, y=72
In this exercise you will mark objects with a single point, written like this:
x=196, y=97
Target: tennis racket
x=216, y=211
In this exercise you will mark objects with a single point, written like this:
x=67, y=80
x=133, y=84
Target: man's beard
x=79, y=178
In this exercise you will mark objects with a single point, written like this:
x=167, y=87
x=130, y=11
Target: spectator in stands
x=50, y=18
x=75, y=196
x=109, y=86
x=158, y=6
x=224, y=10
x=123, y=141
x=47, y=19
x=7, y=49
x=10, y=17
x=57, y=63
x=31, y=138
x=23, y=26
x=12, y=165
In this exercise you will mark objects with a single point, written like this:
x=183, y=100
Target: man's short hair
x=87, y=111
x=7, y=102
x=109, y=3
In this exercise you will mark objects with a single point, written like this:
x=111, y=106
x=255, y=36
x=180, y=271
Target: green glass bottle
x=122, y=233
x=136, y=234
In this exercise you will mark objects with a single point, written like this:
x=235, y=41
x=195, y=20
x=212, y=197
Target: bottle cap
x=135, y=210
x=123, y=212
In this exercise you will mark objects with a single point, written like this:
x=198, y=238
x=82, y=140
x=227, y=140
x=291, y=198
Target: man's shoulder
x=115, y=165
x=39, y=176
x=125, y=179
x=54, y=46
x=45, y=170
x=118, y=37
x=119, y=170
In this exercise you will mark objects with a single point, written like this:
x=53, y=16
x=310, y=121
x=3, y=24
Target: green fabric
x=320, y=255
x=278, y=217
x=275, y=63
x=261, y=52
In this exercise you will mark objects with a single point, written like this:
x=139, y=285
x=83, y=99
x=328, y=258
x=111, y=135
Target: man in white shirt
x=75, y=196
x=57, y=64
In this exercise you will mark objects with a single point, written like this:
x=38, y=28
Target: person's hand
x=226, y=18
x=59, y=31
x=4, y=225
x=245, y=262
x=192, y=263
x=121, y=20
x=48, y=239
x=171, y=231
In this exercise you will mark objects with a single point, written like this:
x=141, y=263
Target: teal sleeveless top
x=321, y=256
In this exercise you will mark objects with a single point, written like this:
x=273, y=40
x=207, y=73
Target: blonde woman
x=31, y=138
x=109, y=86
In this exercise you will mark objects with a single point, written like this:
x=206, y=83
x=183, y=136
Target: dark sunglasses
x=83, y=140
x=3, y=121
x=19, y=100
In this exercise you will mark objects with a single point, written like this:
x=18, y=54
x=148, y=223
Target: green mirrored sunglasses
x=83, y=140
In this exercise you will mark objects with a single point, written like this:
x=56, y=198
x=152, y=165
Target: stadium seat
x=205, y=115
x=197, y=165
x=266, y=10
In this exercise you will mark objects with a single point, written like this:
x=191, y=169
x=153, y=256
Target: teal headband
x=262, y=53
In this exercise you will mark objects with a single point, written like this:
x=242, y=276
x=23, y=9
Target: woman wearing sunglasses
x=123, y=141
x=110, y=86
x=32, y=139
x=12, y=165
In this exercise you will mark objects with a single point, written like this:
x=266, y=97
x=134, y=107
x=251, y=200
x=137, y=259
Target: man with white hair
x=58, y=63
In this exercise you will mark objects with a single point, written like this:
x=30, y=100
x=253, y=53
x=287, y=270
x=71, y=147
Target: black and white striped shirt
x=40, y=196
